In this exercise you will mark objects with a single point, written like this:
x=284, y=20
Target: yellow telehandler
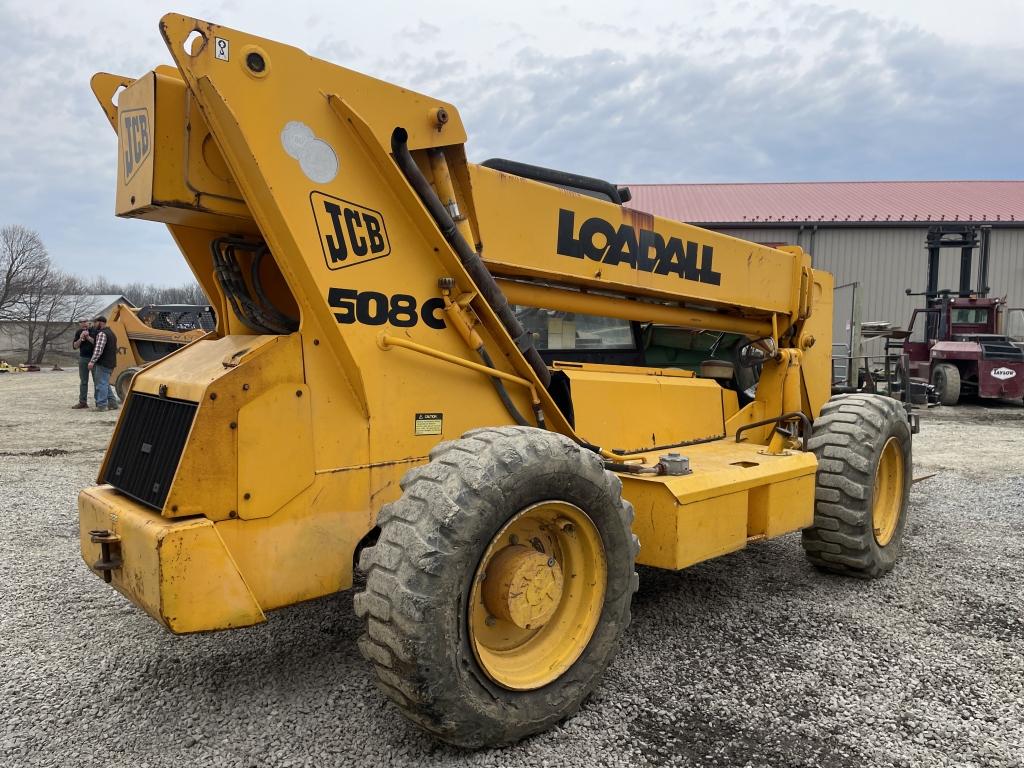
x=489, y=387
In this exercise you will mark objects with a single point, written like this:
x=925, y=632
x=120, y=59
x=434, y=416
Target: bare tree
x=59, y=311
x=141, y=294
x=47, y=309
x=44, y=302
x=23, y=258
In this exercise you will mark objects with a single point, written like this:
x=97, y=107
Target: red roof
x=846, y=202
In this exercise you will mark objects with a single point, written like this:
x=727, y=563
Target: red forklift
x=958, y=341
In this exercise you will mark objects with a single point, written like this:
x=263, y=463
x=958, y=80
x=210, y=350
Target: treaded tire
x=946, y=380
x=848, y=439
x=420, y=571
x=124, y=381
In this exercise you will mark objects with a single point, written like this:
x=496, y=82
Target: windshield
x=556, y=330
x=971, y=315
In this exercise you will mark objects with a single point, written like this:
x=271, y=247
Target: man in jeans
x=84, y=343
x=102, y=363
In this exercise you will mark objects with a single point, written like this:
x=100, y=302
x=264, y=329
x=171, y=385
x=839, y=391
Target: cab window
x=970, y=315
x=558, y=331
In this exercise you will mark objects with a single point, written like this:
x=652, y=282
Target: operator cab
x=573, y=338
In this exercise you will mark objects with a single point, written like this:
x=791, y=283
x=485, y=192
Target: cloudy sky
x=735, y=90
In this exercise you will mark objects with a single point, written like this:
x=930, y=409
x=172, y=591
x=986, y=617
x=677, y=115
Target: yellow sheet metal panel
x=275, y=450
x=188, y=373
x=816, y=363
x=206, y=482
x=634, y=412
x=383, y=105
x=136, y=114
x=180, y=572
x=725, y=466
x=675, y=536
x=672, y=373
x=169, y=165
x=730, y=401
x=571, y=238
x=304, y=550
x=711, y=528
x=781, y=507
x=734, y=491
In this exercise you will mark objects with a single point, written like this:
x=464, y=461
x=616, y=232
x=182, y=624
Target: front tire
x=863, y=446
x=500, y=585
x=946, y=380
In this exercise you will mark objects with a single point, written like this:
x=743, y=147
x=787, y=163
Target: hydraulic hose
x=259, y=315
x=499, y=386
x=470, y=259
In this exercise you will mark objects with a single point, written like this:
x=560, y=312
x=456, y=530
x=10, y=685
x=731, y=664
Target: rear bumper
x=178, y=571
x=997, y=378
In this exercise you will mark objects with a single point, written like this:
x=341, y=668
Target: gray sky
x=653, y=92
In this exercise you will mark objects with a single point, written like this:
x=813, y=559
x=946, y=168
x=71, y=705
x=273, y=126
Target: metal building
x=872, y=233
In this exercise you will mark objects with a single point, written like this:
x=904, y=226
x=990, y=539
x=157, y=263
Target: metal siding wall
x=884, y=261
x=887, y=261
x=1006, y=265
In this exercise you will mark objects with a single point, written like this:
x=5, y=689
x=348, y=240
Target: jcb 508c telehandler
x=480, y=385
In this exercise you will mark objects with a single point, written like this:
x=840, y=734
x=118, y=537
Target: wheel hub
x=523, y=586
x=537, y=595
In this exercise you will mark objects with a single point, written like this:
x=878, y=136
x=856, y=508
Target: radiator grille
x=148, y=447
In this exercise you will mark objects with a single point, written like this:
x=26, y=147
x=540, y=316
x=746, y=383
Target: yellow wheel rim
x=537, y=595
x=887, y=502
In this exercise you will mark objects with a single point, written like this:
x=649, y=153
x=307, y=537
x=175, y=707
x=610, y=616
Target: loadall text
x=599, y=240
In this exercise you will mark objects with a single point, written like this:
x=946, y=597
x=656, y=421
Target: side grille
x=994, y=346
x=148, y=447
x=1001, y=350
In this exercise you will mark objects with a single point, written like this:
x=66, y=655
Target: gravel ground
x=751, y=660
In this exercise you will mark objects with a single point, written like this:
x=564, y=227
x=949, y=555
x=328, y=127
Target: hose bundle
x=257, y=313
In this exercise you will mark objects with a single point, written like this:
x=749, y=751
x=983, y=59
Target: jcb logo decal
x=135, y=142
x=349, y=233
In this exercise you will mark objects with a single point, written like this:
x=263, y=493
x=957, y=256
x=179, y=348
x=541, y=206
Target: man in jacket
x=102, y=364
x=84, y=343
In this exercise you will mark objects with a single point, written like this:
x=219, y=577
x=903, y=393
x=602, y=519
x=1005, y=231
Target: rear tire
x=863, y=445
x=946, y=380
x=424, y=577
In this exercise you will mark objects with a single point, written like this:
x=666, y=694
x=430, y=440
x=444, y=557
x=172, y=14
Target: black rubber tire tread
x=124, y=380
x=848, y=438
x=949, y=390
x=420, y=571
